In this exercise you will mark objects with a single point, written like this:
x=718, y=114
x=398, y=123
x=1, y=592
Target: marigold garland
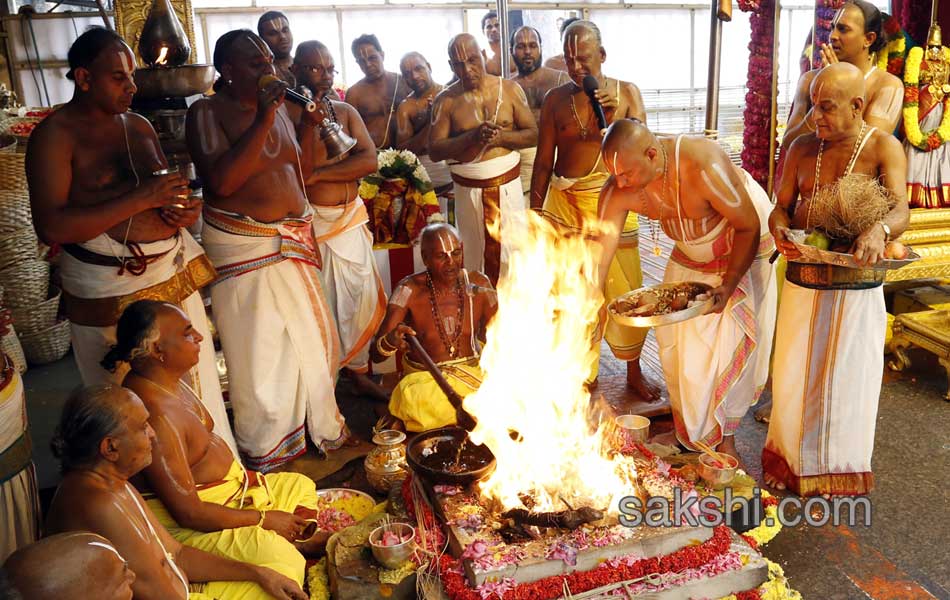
x=891, y=58
x=775, y=587
x=765, y=533
x=930, y=140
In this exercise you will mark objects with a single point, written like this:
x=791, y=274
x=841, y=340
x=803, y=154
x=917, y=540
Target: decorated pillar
x=130, y=16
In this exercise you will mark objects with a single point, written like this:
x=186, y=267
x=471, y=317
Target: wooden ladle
x=464, y=419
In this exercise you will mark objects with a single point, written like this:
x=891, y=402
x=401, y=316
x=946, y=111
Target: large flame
x=538, y=355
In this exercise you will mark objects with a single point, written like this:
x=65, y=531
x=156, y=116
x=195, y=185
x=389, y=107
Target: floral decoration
x=891, y=58
x=929, y=140
x=765, y=533
x=399, y=198
x=758, y=100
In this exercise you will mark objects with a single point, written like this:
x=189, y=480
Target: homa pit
x=533, y=408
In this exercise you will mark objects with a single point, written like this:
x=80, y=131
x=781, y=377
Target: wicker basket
x=10, y=345
x=36, y=318
x=12, y=171
x=48, y=345
x=15, y=211
x=26, y=283
x=16, y=247
x=8, y=143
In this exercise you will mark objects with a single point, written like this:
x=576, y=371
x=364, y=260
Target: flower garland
x=758, y=100
x=399, y=175
x=891, y=58
x=930, y=140
x=456, y=585
x=765, y=533
x=825, y=11
x=775, y=587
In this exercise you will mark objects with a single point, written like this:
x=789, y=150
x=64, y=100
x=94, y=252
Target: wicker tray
x=25, y=284
x=48, y=345
x=36, y=318
x=16, y=247
x=678, y=316
x=10, y=345
x=12, y=171
x=15, y=211
x=813, y=255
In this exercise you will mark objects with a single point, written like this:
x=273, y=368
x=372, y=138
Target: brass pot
x=386, y=464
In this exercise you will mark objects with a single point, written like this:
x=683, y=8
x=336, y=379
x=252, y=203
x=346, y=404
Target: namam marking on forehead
x=572, y=43
x=448, y=245
x=276, y=23
x=258, y=45
x=127, y=61
x=721, y=180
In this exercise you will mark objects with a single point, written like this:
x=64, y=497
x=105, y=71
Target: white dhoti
x=438, y=171
x=350, y=279
x=482, y=190
x=95, y=294
x=278, y=336
x=527, y=167
x=716, y=366
x=19, y=495
x=826, y=383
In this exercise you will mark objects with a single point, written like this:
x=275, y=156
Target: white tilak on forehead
x=107, y=547
x=447, y=248
x=572, y=44
x=615, y=163
x=258, y=44
x=127, y=63
x=723, y=178
x=461, y=53
x=276, y=23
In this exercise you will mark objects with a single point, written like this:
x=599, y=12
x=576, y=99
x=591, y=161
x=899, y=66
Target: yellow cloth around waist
x=419, y=401
x=572, y=206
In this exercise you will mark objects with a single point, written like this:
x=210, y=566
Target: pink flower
x=564, y=552
x=475, y=550
x=496, y=588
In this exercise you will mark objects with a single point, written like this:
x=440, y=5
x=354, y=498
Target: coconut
x=850, y=206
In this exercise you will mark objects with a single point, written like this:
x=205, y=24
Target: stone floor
x=902, y=556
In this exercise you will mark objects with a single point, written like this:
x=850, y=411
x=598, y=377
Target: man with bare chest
x=492, y=30
x=103, y=439
x=90, y=168
x=857, y=36
x=376, y=96
x=195, y=485
x=447, y=308
x=478, y=125
x=278, y=335
x=568, y=190
x=536, y=81
x=274, y=29
x=715, y=365
x=414, y=117
x=829, y=360
x=349, y=277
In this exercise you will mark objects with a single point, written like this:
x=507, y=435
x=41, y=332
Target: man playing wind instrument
x=715, y=365
x=448, y=312
x=829, y=348
x=569, y=132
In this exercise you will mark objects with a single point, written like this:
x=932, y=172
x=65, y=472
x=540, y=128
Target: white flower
x=420, y=173
x=408, y=157
x=387, y=157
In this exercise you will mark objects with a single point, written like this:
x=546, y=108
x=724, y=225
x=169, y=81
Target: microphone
x=296, y=97
x=590, y=86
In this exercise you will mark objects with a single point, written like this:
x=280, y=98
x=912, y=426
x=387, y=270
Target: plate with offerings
x=662, y=304
x=816, y=248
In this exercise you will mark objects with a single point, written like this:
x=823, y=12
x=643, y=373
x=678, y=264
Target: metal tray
x=813, y=255
x=660, y=320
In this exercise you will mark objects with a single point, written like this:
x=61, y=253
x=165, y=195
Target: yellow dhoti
x=289, y=492
x=572, y=202
x=419, y=401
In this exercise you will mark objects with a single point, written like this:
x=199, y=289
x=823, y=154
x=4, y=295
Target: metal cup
x=630, y=429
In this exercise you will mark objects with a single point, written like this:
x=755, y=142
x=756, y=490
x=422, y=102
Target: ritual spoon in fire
x=464, y=419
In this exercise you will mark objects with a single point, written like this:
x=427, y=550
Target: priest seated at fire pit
x=194, y=485
x=447, y=309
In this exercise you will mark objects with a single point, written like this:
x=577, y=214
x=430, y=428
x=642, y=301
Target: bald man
x=87, y=566
x=480, y=122
x=570, y=134
x=715, y=365
x=414, y=116
x=536, y=81
x=427, y=305
x=828, y=350
x=857, y=36
x=349, y=277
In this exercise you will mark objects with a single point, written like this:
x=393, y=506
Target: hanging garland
x=757, y=116
x=891, y=58
x=934, y=138
x=824, y=14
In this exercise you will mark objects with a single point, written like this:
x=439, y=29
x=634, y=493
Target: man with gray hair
x=87, y=566
x=102, y=440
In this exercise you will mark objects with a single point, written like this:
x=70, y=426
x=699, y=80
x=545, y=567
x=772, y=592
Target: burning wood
x=564, y=519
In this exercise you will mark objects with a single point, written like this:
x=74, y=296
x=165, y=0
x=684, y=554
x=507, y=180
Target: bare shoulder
x=341, y=107
x=802, y=145
x=58, y=127
x=885, y=142
x=630, y=88
x=560, y=92
x=415, y=282
x=204, y=106
x=94, y=512
x=889, y=80
x=356, y=90
x=138, y=123
x=804, y=82
x=479, y=279
x=447, y=93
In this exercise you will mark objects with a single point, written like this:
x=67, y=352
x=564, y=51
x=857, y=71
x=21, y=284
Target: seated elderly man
x=103, y=439
x=446, y=308
x=87, y=566
x=196, y=487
